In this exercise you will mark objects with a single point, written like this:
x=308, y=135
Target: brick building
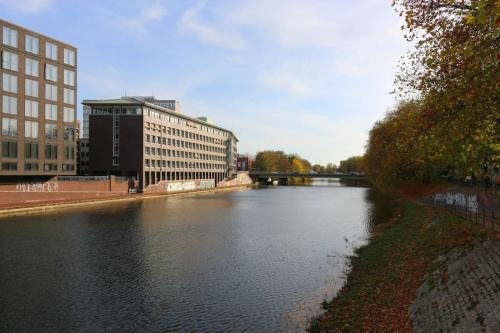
x=38, y=98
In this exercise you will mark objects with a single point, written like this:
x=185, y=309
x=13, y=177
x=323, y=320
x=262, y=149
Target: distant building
x=170, y=104
x=83, y=157
x=77, y=130
x=244, y=163
x=137, y=139
x=206, y=119
x=38, y=99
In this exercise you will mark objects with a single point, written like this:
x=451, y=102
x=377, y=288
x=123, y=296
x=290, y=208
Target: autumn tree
x=354, y=163
x=454, y=71
x=278, y=161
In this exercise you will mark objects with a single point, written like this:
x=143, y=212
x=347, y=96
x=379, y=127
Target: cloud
x=191, y=21
x=151, y=12
x=286, y=81
x=154, y=12
x=27, y=6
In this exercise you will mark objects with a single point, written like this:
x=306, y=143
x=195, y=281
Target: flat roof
x=136, y=102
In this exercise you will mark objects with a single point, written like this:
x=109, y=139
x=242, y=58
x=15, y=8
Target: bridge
x=285, y=175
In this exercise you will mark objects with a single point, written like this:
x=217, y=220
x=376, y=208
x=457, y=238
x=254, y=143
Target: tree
x=278, y=161
x=354, y=163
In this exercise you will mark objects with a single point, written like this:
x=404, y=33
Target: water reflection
x=236, y=261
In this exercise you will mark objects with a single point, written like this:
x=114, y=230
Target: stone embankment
x=463, y=294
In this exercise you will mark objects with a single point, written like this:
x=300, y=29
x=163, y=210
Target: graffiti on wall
x=37, y=187
x=206, y=184
x=468, y=201
x=181, y=186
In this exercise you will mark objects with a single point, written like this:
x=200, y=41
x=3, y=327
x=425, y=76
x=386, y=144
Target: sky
x=304, y=76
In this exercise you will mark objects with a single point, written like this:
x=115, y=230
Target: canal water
x=241, y=261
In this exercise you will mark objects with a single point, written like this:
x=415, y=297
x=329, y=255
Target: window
x=9, y=127
x=9, y=37
x=31, y=44
x=9, y=83
x=69, y=153
x=69, y=57
x=10, y=61
x=69, y=134
x=31, y=108
x=50, y=92
x=9, y=149
x=31, y=150
x=51, y=111
x=31, y=167
x=50, y=167
x=51, y=51
x=116, y=161
x=69, y=96
x=69, y=77
x=69, y=115
x=68, y=167
x=50, y=131
x=9, y=166
x=31, y=129
x=51, y=152
x=50, y=72
x=147, y=150
x=31, y=88
x=31, y=67
x=9, y=105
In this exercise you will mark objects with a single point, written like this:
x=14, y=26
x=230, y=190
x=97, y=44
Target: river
x=240, y=261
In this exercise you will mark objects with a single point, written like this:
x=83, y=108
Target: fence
x=489, y=218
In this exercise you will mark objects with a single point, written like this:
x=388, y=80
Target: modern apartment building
x=38, y=99
x=133, y=138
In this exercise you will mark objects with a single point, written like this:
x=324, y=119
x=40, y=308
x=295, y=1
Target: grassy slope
x=386, y=273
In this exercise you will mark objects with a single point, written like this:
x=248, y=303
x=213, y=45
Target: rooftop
x=130, y=101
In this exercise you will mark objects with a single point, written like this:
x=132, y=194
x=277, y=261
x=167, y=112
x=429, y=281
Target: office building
x=133, y=138
x=38, y=98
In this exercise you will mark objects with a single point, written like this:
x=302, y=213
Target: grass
x=386, y=273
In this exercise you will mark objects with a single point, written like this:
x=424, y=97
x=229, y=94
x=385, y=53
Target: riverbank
x=386, y=274
x=30, y=208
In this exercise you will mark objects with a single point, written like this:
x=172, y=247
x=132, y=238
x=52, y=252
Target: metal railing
x=489, y=218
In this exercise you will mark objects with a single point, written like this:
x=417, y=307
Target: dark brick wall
x=101, y=145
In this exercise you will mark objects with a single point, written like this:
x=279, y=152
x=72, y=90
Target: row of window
x=10, y=61
x=183, y=134
x=9, y=128
x=183, y=144
x=12, y=166
x=31, y=151
x=182, y=165
x=184, y=122
x=9, y=106
x=32, y=43
x=181, y=154
x=31, y=89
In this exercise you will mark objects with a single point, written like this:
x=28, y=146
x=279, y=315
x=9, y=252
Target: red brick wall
x=20, y=194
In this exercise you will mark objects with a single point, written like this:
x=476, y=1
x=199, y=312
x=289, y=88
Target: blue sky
x=304, y=76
